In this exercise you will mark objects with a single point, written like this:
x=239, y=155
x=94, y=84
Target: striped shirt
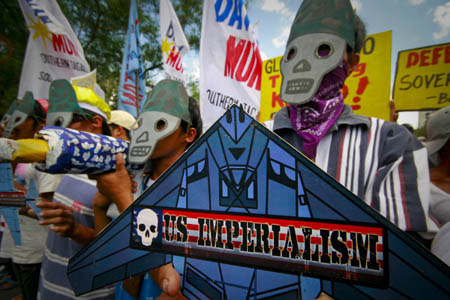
x=75, y=191
x=379, y=161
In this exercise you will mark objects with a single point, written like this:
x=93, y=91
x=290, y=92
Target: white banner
x=53, y=50
x=173, y=42
x=230, y=63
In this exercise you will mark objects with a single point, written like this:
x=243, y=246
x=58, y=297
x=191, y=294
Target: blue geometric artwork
x=32, y=198
x=245, y=215
x=10, y=201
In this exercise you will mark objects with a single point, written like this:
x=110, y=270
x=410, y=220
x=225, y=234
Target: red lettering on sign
x=128, y=76
x=359, y=70
x=413, y=58
x=424, y=57
x=447, y=54
x=129, y=87
x=428, y=57
x=436, y=54
x=243, y=62
x=276, y=99
x=274, y=79
x=233, y=55
x=62, y=44
x=174, y=59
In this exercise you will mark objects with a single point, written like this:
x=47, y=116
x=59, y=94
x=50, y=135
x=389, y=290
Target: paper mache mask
x=319, y=36
x=166, y=106
x=62, y=104
x=21, y=112
x=7, y=116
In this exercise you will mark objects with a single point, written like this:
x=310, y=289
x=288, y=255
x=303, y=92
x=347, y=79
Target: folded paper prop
x=61, y=150
x=12, y=200
x=251, y=217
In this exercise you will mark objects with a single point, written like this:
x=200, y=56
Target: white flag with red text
x=230, y=63
x=53, y=50
x=173, y=42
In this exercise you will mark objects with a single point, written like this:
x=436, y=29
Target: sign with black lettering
x=422, y=79
x=335, y=250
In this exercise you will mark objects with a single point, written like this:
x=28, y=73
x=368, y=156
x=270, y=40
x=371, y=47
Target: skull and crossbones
x=147, y=226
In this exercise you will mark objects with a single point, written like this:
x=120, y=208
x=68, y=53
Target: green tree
x=101, y=27
x=13, y=39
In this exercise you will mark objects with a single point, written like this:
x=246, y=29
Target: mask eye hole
x=59, y=121
x=161, y=124
x=16, y=120
x=291, y=53
x=324, y=51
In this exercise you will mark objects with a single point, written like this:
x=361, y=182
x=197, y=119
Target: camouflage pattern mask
x=166, y=106
x=62, y=104
x=23, y=110
x=319, y=36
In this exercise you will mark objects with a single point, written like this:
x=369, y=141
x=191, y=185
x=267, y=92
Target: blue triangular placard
x=32, y=198
x=285, y=230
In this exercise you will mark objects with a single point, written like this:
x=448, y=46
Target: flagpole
x=137, y=88
x=137, y=94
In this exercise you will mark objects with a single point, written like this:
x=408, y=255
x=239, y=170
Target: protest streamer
x=230, y=62
x=53, y=50
x=174, y=44
x=132, y=78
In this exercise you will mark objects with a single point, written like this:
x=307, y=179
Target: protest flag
x=53, y=50
x=173, y=42
x=132, y=78
x=230, y=62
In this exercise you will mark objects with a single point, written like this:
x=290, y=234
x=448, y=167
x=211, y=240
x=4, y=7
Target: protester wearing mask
x=379, y=161
x=70, y=216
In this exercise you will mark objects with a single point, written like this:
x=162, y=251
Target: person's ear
x=122, y=131
x=96, y=122
x=191, y=134
x=354, y=61
x=40, y=126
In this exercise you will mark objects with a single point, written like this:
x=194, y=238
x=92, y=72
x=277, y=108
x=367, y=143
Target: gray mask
x=303, y=67
x=153, y=126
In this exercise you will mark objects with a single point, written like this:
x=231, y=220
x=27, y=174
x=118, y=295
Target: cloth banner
x=53, y=50
x=230, y=62
x=132, y=77
x=173, y=42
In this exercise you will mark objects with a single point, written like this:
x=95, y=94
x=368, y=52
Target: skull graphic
x=147, y=226
x=307, y=59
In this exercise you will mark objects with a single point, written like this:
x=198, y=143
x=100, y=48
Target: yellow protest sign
x=367, y=89
x=422, y=79
x=270, y=89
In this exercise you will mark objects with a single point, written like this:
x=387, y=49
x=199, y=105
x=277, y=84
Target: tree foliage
x=101, y=27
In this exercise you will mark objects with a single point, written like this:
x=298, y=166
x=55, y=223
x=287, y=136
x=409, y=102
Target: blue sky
x=414, y=23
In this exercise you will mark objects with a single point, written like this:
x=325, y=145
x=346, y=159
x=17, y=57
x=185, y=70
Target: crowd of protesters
x=74, y=207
